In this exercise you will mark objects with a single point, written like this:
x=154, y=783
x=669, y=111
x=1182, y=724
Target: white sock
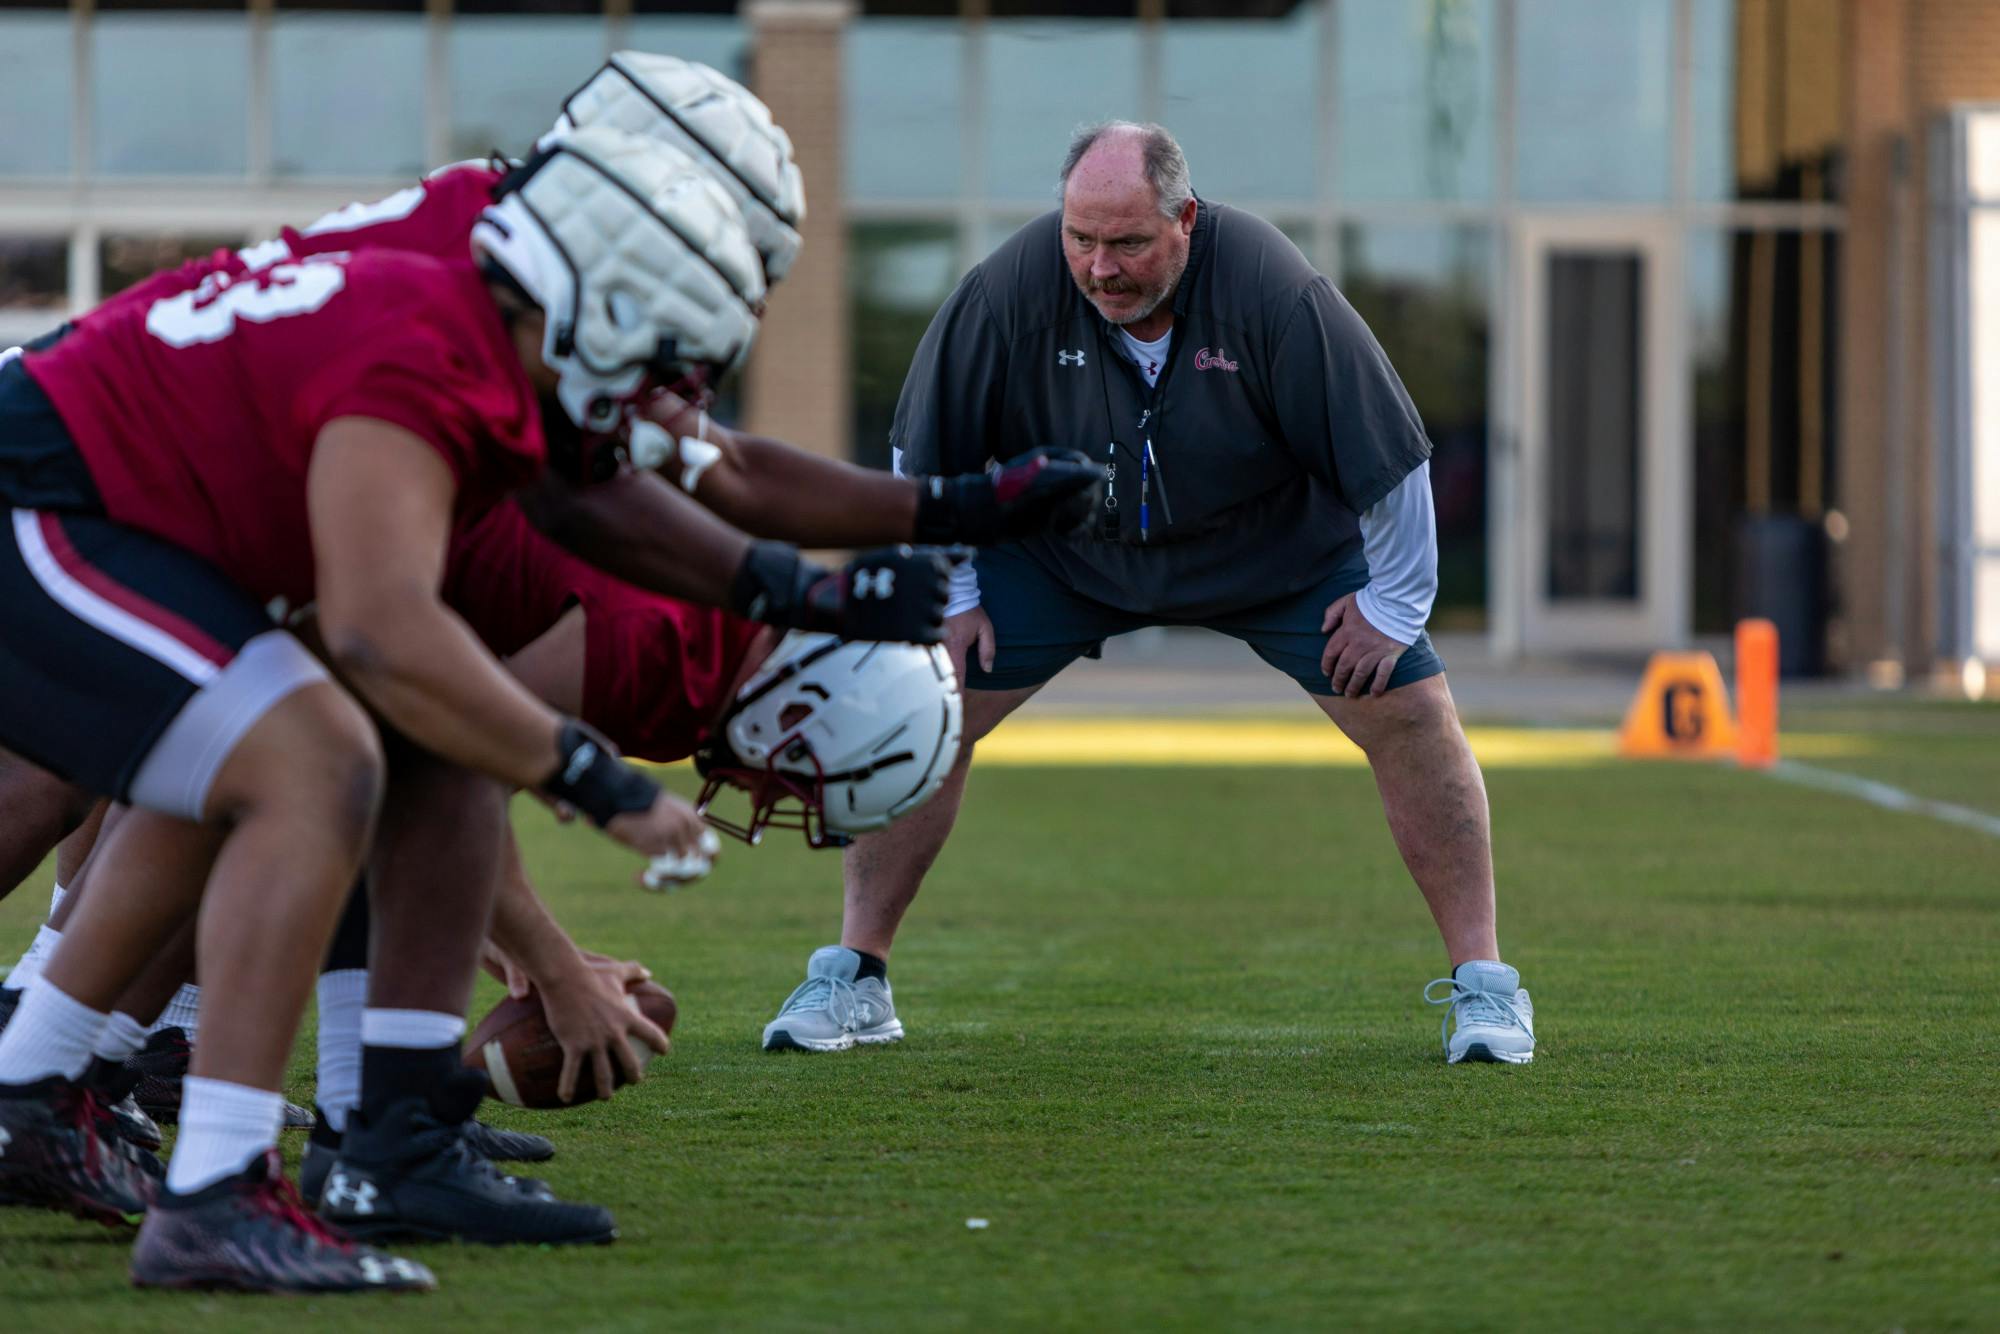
x=121, y=1037
x=51, y=1034
x=224, y=1128
x=37, y=957
x=422, y=1030
x=343, y=995
x=56, y=898
x=183, y=1011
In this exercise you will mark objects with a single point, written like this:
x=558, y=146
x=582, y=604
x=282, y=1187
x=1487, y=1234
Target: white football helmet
x=639, y=260
x=718, y=122
x=835, y=737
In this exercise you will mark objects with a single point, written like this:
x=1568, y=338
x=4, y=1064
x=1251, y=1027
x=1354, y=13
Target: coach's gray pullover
x=1276, y=418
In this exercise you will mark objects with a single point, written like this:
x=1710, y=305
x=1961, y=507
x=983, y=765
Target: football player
x=152, y=528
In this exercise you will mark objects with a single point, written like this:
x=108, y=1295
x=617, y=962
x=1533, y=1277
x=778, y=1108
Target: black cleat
x=507, y=1146
x=411, y=1174
x=113, y=1084
x=297, y=1117
x=248, y=1232
x=162, y=1064
x=60, y=1150
x=323, y=1151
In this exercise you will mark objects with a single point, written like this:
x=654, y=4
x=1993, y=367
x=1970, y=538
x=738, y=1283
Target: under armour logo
x=874, y=583
x=382, y=1268
x=344, y=1192
x=1069, y=358
x=580, y=761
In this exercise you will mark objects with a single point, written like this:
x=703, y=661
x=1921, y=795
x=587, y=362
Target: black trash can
x=1781, y=575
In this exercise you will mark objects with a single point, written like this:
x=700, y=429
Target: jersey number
x=210, y=311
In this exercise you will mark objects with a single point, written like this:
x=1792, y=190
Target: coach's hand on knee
x=971, y=630
x=1359, y=659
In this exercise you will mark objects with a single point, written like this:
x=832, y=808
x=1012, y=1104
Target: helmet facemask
x=833, y=738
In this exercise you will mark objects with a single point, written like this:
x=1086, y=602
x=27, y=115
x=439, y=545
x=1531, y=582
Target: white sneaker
x=1495, y=1020
x=831, y=1010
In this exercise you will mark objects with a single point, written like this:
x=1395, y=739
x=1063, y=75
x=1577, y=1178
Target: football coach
x=1269, y=479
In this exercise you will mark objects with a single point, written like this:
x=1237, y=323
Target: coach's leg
x=845, y=999
x=1435, y=800
x=884, y=870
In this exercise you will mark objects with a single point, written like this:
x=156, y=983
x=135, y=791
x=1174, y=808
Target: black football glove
x=1042, y=491
x=893, y=594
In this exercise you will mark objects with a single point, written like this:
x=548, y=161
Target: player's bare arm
x=778, y=490
x=643, y=531
x=589, y=1018
x=380, y=501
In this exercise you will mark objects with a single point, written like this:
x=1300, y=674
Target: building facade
x=1661, y=274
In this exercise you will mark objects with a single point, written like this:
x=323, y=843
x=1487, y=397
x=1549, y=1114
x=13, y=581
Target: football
x=518, y=1051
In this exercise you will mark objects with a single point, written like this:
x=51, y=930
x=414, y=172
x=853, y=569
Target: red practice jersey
x=657, y=672
x=196, y=399
x=433, y=217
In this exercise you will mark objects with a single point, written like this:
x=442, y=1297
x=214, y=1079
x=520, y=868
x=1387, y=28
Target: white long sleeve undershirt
x=1399, y=537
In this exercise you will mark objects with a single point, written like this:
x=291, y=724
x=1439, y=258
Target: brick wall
x=797, y=384
x=1907, y=60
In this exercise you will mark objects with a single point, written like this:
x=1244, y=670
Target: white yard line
x=1888, y=798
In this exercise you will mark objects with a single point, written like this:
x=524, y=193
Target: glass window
x=34, y=275
x=1416, y=99
x=903, y=105
x=719, y=40
x=1594, y=99
x=1044, y=79
x=1242, y=148
x=170, y=92
x=1768, y=88
x=511, y=72
x=1424, y=292
x=1765, y=355
x=898, y=274
x=124, y=259
x=34, y=92
x=347, y=94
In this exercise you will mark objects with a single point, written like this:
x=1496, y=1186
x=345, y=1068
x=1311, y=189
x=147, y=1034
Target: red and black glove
x=1042, y=491
x=893, y=594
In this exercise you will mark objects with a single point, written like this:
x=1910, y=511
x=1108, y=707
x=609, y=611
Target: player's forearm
x=425, y=672
x=524, y=927
x=772, y=489
x=645, y=532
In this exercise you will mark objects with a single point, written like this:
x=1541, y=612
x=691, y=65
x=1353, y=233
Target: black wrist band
x=590, y=777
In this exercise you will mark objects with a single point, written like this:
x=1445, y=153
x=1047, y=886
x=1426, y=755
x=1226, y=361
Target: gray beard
x=1152, y=301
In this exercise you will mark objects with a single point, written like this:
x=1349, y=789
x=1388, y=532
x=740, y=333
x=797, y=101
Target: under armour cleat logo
x=344, y=1192
x=1069, y=358
x=380, y=1269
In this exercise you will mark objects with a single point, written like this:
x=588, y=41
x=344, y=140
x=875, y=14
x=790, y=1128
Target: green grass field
x=1166, y=1036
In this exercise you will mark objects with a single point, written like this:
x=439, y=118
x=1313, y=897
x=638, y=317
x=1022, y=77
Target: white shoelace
x=833, y=994
x=1471, y=1007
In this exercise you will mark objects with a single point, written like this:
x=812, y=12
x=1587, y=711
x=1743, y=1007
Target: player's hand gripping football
x=598, y=1028
x=1359, y=659
x=893, y=594
x=1041, y=491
